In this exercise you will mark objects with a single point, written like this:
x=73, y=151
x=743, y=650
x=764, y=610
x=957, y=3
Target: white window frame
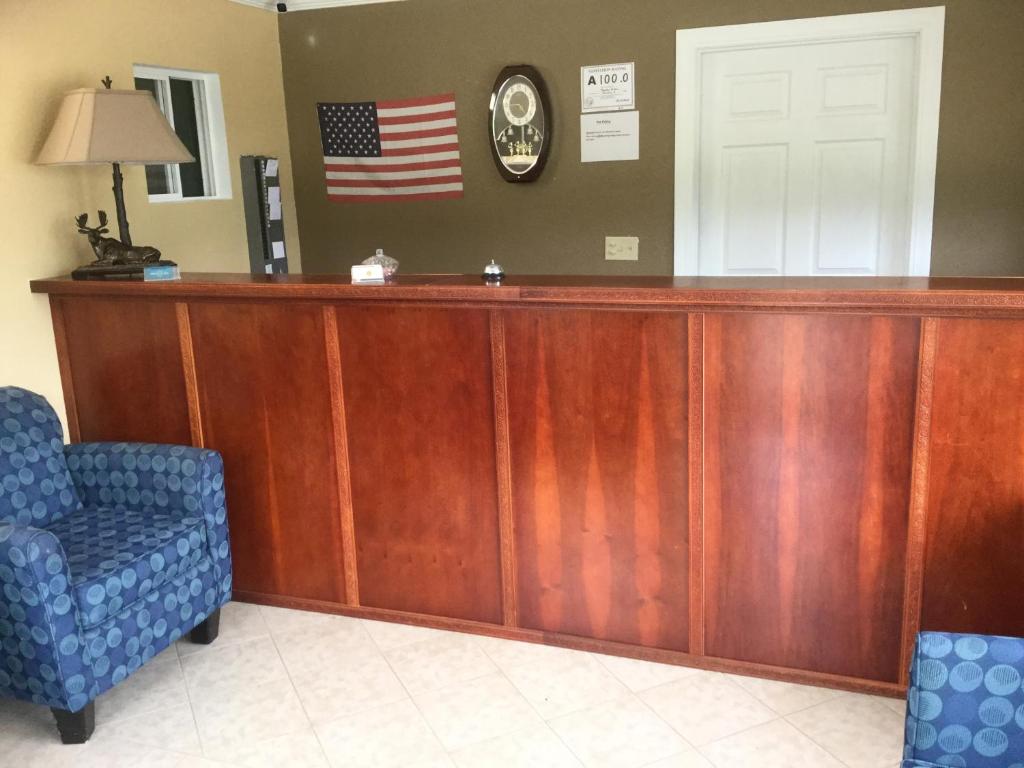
x=213, y=144
x=925, y=25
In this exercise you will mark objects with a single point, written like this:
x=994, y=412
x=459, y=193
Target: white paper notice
x=278, y=247
x=606, y=87
x=275, y=211
x=274, y=195
x=610, y=136
x=271, y=167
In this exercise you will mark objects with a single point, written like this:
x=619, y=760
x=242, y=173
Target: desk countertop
x=1002, y=295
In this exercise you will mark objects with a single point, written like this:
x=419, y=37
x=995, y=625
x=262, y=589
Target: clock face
x=519, y=104
x=519, y=123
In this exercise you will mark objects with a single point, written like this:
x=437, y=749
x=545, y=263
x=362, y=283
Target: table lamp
x=98, y=126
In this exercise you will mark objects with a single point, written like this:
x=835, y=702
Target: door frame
x=925, y=25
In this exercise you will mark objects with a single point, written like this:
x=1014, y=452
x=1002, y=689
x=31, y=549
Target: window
x=191, y=102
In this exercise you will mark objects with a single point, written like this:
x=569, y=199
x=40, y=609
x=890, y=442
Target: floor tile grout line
x=214, y=648
x=560, y=714
x=636, y=695
x=153, y=664
x=782, y=719
x=544, y=720
x=298, y=696
x=672, y=728
x=408, y=693
x=686, y=671
x=222, y=643
x=699, y=747
x=268, y=636
x=220, y=646
x=815, y=741
x=191, y=707
x=370, y=707
x=838, y=694
x=500, y=672
x=457, y=635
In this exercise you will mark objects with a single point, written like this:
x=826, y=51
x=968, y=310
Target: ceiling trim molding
x=307, y=5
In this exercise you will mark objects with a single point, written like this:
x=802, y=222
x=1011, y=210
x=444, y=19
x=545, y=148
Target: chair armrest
x=149, y=477
x=43, y=654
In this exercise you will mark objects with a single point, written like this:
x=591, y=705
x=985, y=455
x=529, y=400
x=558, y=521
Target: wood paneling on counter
x=974, y=562
x=784, y=477
x=264, y=400
x=128, y=382
x=420, y=422
x=808, y=441
x=598, y=416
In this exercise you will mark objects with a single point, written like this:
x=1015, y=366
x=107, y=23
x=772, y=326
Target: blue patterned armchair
x=965, y=704
x=109, y=552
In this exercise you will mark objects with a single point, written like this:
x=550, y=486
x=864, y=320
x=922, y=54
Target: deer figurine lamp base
x=115, y=259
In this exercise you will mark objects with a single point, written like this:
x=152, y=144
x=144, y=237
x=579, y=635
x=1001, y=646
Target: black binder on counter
x=264, y=223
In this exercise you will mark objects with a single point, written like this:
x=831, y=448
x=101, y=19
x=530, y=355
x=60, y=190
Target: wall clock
x=520, y=123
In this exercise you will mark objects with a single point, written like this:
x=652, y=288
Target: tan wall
x=48, y=47
x=421, y=47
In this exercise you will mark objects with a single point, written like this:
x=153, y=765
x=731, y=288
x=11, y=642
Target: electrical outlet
x=622, y=249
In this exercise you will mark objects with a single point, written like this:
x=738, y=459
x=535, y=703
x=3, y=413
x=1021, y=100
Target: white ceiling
x=308, y=5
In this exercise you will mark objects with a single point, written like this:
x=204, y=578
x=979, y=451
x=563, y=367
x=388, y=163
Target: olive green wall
x=558, y=224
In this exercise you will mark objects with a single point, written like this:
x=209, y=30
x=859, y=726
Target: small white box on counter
x=368, y=273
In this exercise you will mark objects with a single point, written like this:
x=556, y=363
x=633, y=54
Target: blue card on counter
x=161, y=272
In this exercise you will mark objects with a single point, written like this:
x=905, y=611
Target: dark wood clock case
x=534, y=76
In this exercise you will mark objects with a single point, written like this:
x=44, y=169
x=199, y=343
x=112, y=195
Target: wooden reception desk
x=782, y=477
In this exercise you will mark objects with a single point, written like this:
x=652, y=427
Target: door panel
x=974, y=560
x=853, y=90
x=265, y=405
x=420, y=417
x=755, y=209
x=848, y=217
x=126, y=356
x=598, y=421
x=808, y=444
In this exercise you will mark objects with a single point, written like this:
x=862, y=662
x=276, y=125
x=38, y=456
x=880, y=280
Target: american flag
x=391, y=150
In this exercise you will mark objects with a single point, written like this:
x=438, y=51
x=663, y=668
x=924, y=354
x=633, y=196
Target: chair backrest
x=35, y=486
x=965, y=704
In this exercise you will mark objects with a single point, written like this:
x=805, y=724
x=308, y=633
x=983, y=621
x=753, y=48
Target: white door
x=806, y=158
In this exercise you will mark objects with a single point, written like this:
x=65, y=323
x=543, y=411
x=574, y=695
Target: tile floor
x=290, y=688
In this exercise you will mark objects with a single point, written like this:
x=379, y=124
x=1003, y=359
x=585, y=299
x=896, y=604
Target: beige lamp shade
x=106, y=126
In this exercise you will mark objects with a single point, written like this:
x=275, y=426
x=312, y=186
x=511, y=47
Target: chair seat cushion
x=117, y=556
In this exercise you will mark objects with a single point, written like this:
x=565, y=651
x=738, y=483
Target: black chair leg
x=76, y=727
x=207, y=632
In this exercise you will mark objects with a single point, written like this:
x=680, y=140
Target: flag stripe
x=421, y=173
x=428, y=141
x=383, y=111
x=418, y=150
x=332, y=168
x=338, y=184
x=331, y=162
x=387, y=122
x=418, y=134
x=441, y=98
x=400, y=191
x=372, y=199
